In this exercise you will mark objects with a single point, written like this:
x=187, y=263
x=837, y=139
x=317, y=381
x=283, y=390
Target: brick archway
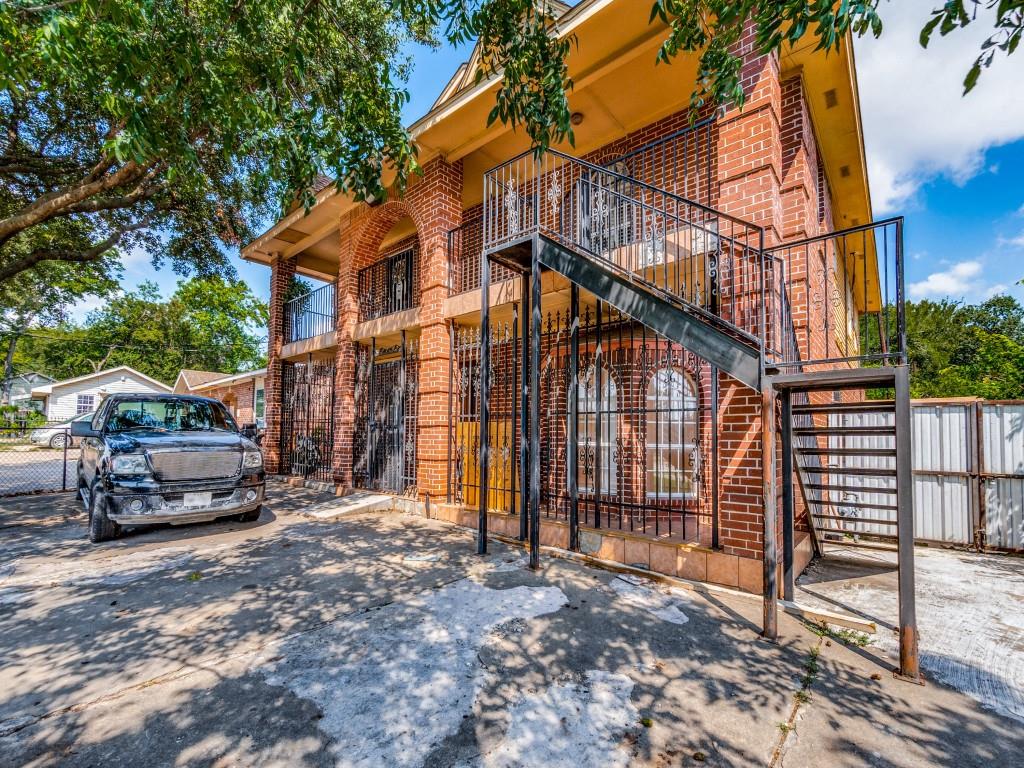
x=434, y=205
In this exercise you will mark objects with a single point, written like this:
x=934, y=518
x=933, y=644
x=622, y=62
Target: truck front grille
x=195, y=465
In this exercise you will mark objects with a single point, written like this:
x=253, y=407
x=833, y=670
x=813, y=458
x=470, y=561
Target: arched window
x=589, y=415
x=672, y=436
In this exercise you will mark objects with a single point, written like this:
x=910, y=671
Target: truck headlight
x=130, y=464
x=252, y=460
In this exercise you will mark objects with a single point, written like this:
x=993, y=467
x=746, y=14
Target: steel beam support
x=571, y=448
x=535, y=327
x=524, y=406
x=909, y=667
x=485, y=391
x=770, y=629
x=740, y=359
x=788, y=511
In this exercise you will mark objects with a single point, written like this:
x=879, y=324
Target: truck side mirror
x=83, y=429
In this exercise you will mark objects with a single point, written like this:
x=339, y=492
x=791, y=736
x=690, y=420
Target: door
x=385, y=434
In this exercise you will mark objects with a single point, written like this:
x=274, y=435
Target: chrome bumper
x=158, y=509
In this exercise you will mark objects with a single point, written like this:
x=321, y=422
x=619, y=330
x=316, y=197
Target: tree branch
x=67, y=255
x=47, y=206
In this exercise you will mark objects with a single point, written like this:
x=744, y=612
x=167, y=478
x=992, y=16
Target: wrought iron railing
x=643, y=430
x=680, y=162
x=311, y=314
x=843, y=299
x=465, y=244
x=687, y=252
x=389, y=285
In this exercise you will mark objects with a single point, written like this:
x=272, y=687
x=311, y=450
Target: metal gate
x=384, y=444
x=307, y=420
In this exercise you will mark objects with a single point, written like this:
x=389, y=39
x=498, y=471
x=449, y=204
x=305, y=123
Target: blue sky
x=952, y=165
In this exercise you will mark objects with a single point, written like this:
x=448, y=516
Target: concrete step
x=354, y=504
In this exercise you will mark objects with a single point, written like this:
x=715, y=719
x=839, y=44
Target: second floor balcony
x=389, y=285
x=311, y=314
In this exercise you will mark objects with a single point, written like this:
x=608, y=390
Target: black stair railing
x=710, y=263
x=851, y=299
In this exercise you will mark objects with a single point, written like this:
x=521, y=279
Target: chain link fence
x=37, y=459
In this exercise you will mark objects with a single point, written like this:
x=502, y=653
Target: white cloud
x=1013, y=242
x=917, y=125
x=959, y=280
x=84, y=307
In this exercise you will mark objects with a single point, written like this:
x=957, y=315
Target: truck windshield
x=168, y=416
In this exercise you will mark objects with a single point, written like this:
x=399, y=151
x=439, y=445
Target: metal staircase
x=705, y=280
x=845, y=457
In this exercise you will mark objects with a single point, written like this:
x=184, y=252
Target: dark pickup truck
x=177, y=459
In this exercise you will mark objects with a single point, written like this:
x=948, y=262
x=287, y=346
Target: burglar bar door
x=385, y=434
x=307, y=420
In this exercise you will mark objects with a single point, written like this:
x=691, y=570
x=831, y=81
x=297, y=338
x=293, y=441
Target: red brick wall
x=281, y=274
x=239, y=399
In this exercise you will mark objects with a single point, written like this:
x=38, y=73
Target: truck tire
x=101, y=527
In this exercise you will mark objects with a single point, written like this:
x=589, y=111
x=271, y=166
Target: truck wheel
x=251, y=516
x=101, y=527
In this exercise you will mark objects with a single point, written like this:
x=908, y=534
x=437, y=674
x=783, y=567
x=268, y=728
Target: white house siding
x=63, y=402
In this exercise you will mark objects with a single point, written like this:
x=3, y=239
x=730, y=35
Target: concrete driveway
x=382, y=640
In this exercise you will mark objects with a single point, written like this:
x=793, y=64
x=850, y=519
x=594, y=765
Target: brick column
x=281, y=274
x=438, y=200
x=749, y=173
x=344, y=356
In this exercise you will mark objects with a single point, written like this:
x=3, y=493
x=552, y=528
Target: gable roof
x=465, y=75
x=227, y=379
x=193, y=378
x=48, y=388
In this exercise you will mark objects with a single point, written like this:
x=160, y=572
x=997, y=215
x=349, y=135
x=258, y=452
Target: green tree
x=958, y=350
x=43, y=297
x=209, y=323
x=166, y=126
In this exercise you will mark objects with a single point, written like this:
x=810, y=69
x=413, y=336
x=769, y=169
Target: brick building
x=242, y=393
x=693, y=274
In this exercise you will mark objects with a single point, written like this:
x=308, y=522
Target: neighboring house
x=244, y=394
x=693, y=276
x=63, y=400
x=18, y=389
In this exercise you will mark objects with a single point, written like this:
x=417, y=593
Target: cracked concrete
x=384, y=640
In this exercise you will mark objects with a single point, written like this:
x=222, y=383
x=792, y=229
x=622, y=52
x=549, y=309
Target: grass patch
x=842, y=634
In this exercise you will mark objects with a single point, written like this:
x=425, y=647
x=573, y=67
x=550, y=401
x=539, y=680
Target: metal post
x=599, y=404
x=571, y=456
x=401, y=417
x=451, y=416
x=715, y=466
x=524, y=407
x=485, y=391
x=788, y=576
x=770, y=630
x=909, y=668
x=64, y=464
x=535, y=415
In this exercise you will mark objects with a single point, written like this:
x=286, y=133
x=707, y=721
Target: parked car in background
x=55, y=435
x=154, y=458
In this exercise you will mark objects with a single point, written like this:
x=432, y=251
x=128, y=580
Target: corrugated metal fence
x=968, y=471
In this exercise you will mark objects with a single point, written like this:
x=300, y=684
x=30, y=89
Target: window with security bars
x=85, y=404
x=671, y=435
x=593, y=450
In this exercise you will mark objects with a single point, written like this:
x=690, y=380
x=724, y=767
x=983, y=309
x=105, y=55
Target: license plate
x=193, y=500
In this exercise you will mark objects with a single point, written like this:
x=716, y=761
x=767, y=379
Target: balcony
x=311, y=315
x=390, y=285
